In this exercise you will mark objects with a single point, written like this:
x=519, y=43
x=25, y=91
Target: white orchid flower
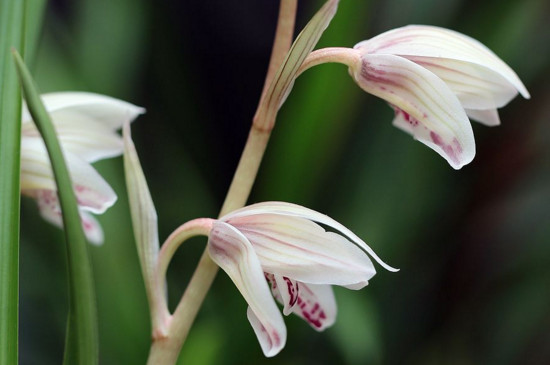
x=435, y=79
x=284, y=244
x=270, y=249
x=86, y=125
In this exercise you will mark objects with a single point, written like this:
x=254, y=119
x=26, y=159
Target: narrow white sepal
x=232, y=251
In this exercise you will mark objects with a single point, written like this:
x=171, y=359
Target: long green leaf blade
x=11, y=29
x=81, y=345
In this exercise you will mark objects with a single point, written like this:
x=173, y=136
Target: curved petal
x=82, y=135
x=92, y=191
x=92, y=228
x=488, y=117
x=430, y=41
x=316, y=305
x=48, y=205
x=285, y=290
x=294, y=210
x=434, y=113
x=313, y=303
x=300, y=249
x=109, y=111
x=235, y=255
x=476, y=86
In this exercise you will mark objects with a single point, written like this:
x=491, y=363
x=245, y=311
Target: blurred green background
x=473, y=245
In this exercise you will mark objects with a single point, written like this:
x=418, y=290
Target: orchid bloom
x=281, y=244
x=86, y=125
x=270, y=249
x=434, y=79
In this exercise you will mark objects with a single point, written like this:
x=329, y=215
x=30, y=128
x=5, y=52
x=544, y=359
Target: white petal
x=235, y=255
x=488, y=117
x=476, y=86
x=109, y=111
x=437, y=119
x=300, y=249
x=313, y=303
x=294, y=210
x=82, y=135
x=285, y=290
x=316, y=305
x=92, y=192
x=48, y=205
x=430, y=41
x=92, y=228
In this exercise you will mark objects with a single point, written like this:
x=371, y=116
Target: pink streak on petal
x=293, y=291
x=311, y=310
x=452, y=150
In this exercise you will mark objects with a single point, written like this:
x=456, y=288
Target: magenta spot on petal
x=436, y=138
x=271, y=279
x=87, y=225
x=407, y=117
x=315, y=308
x=292, y=291
x=276, y=338
x=457, y=145
x=80, y=188
x=311, y=311
x=452, y=150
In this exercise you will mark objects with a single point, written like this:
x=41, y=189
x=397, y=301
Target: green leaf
x=81, y=345
x=11, y=27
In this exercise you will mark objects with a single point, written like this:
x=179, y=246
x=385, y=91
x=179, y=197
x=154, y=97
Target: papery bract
x=86, y=125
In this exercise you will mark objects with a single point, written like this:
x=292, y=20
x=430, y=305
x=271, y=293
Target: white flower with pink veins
x=86, y=125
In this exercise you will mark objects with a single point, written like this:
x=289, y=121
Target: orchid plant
x=435, y=80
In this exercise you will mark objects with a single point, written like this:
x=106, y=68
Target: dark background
x=473, y=245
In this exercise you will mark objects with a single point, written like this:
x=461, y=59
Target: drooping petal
x=434, y=113
x=316, y=305
x=231, y=250
x=92, y=191
x=48, y=205
x=300, y=249
x=430, y=41
x=109, y=111
x=476, y=86
x=294, y=210
x=313, y=303
x=285, y=290
x=92, y=228
x=488, y=117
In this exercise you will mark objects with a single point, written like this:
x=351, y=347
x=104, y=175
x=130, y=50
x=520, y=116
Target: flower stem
x=346, y=56
x=165, y=350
